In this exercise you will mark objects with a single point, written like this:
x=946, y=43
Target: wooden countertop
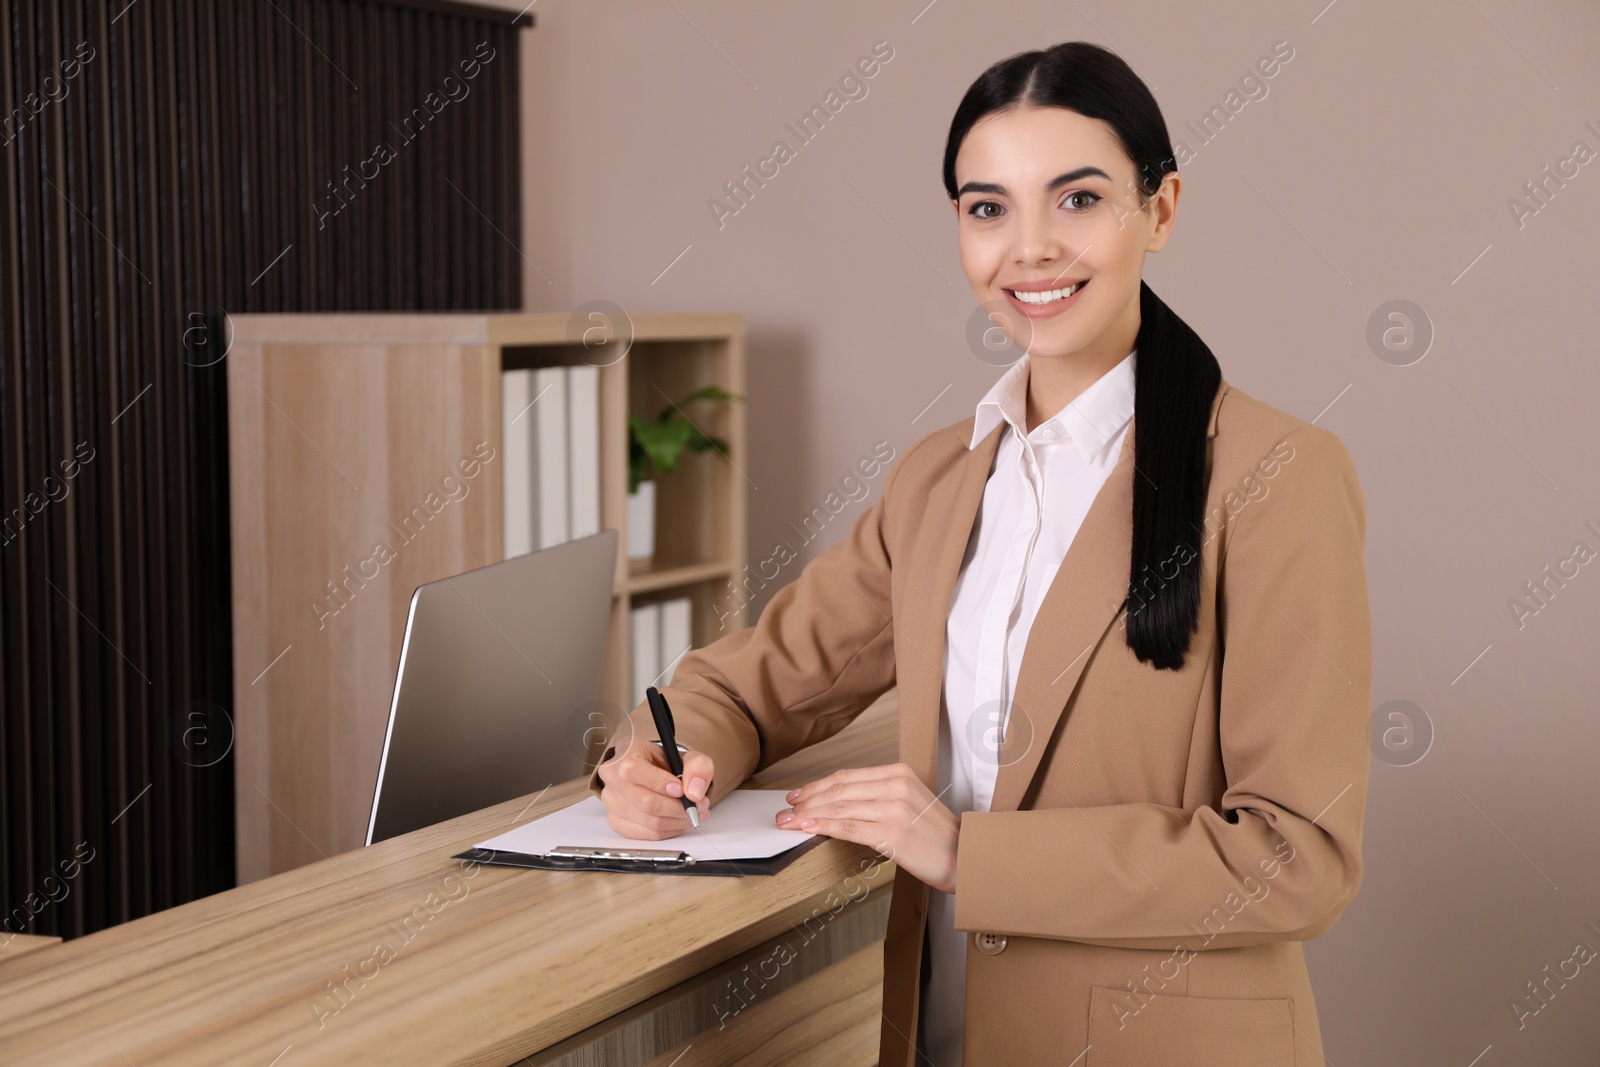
x=392, y=954
x=15, y=945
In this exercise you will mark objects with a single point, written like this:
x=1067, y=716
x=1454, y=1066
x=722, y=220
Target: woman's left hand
x=886, y=808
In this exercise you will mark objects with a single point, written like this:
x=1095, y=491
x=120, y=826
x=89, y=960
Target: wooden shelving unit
x=340, y=425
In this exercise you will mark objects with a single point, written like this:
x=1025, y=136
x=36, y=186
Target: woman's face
x=1046, y=200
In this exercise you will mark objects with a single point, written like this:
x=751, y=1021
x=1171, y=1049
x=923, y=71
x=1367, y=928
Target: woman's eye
x=1072, y=202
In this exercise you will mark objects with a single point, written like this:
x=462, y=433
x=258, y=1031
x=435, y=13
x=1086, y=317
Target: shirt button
x=1048, y=434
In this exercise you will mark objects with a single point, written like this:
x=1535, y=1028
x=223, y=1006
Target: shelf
x=397, y=403
x=644, y=578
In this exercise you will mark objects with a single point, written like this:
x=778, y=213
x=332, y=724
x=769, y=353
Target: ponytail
x=1176, y=377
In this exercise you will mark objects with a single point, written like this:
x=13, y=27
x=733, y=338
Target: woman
x=1125, y=607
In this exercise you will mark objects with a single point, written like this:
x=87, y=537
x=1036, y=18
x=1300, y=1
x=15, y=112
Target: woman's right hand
x=641, y=794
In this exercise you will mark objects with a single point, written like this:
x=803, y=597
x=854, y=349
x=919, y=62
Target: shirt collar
x=1091, y=420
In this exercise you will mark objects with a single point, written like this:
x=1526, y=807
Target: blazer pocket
x=1192, y=1031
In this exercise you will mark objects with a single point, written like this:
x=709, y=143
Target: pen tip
x=694, y=818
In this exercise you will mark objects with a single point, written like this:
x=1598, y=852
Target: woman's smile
x=1036, y=303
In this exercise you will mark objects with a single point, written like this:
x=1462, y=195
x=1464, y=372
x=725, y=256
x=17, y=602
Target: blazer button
x=989, y=944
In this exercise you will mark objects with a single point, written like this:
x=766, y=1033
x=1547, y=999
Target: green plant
x=656, y=447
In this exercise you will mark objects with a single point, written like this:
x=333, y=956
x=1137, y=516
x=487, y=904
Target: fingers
x=698, y=774
x=642, y=796
x=891, y=781
x=863, y=797
x=862, y=810
x=858, y=775
x=866, y=822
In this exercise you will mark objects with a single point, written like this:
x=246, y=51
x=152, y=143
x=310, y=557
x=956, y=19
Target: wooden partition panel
x=165, y=164
x=331, y=484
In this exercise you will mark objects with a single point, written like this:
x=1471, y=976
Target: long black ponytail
x=1176, y=376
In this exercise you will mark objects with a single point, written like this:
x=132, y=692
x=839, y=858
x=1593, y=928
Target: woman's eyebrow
x=1055, y=183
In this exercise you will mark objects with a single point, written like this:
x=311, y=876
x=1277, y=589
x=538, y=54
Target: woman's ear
x=1164, y=210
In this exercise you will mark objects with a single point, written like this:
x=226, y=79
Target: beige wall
x=1378, y=167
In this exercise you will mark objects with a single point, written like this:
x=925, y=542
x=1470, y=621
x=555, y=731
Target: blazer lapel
x=954, y=504
x=1086, y=596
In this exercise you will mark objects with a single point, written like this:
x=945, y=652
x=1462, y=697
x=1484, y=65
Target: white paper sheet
x=739, y=827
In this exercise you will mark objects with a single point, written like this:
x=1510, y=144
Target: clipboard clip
x=673, y=857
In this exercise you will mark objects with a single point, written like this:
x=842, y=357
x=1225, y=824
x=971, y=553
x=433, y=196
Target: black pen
x=669, y=744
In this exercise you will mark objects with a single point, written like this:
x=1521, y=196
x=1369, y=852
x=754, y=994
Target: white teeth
x=1049, y=296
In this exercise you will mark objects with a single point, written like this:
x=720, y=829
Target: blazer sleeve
x=820, y=653
x=1280, y=857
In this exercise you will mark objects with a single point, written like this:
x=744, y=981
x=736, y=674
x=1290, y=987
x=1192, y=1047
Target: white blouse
x=1038, y=492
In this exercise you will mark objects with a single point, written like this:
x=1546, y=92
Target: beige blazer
x=1159, y=843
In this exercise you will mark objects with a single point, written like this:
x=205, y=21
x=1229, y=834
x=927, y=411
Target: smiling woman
x=1080, y=808
x=1067, y=181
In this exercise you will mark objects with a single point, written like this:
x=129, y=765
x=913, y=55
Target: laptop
x=496, y=691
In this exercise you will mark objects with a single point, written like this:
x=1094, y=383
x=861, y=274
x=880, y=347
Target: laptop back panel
x=496, y=688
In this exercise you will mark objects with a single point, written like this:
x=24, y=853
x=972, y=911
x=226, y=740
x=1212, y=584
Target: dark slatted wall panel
x=165, y=163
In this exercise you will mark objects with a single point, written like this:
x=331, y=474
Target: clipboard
x=640, y=861
x=739, y=839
